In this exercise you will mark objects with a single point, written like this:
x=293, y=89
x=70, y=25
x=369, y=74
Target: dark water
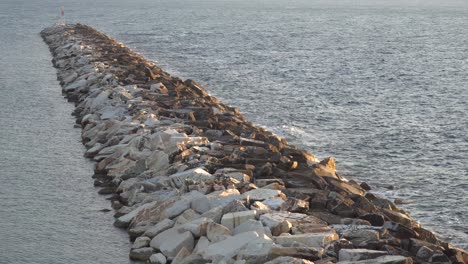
x=380, y=85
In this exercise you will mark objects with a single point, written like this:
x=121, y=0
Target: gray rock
x=171, y=241
x=187, y=216
x=381, y=260
x=359, y=254
x=215, y=199
x=197, y=227
x=181, y=255
x=141, y=254
x=201, y=245
x=229, y=247
x=288, y=260
x=125, y=220
x=159, y=227
x=256, y=251
x=216, y=232
x=214, y=214
x=141, y=242
x=157, y=259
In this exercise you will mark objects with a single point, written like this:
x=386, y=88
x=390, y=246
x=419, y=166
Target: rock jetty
x=192, y=181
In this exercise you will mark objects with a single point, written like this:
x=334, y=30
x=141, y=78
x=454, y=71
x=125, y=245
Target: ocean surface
x=380, y=85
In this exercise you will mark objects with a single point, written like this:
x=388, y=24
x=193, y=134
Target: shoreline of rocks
x=192, y=181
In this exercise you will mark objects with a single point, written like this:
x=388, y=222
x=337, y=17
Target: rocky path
x=194, y=182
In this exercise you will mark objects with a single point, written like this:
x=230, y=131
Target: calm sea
x=380, y=85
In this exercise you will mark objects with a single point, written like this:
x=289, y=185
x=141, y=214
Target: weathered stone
x=424, y=253
x=274, y=203
x=159, y=227
x=181, y=255
x=197, y=227
x=416, y=244
x=374, y=219
x=141, y=254
x=187, y=216
x=234, y=206
x=359, y=254
x=256, y=251
x=310, y=253
x=399, y=230
x=311, y=240
x=363, y=233
x=171, y=241
x=141, y=242
x=295, y=205
x=214, y=214
x=180, y=205
x=281, y=222
x=232, y=220
x=201, y=245
x=382, y=260
x=250, y=225
x=259, y=206
x=277, y=225
x=215, y=199
x=261, y=194
x=216, y=232
x=288, y=260
x=230, y=246
x=157, y=259
x=194, y=175
x=125, y=220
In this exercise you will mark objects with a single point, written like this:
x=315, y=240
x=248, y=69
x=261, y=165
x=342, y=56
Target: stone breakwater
x=192, y=181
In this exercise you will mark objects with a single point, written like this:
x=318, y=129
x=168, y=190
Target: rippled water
x=49, y=209
x=380, y=85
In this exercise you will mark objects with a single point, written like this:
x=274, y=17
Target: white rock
x=261, y=194
x=233, y=220
x=229, y=247
x=311, y=240
x=250, y=225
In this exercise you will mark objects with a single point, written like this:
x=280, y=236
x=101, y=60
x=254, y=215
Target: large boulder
x=171, y=241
